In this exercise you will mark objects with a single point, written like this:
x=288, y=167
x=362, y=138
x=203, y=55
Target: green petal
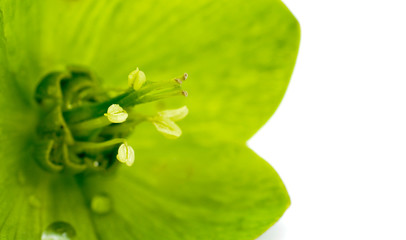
x=239, y=54
x=30, y=198
x=187, y=191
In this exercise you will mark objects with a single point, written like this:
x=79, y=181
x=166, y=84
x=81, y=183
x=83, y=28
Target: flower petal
x=239, y=54
x=30, y=198
x=190, y=192
x=175, y=114
x=29, y=203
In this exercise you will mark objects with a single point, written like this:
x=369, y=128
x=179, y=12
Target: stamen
x=161, y=95
x=175, y=114
x=181, y=79
x=84, y=146
x=116, y=114
x=159, y=86
x=165, y=121
x=87, y=127
x=78, y=131
x=136, y=79
x=166, y=127
x=126, y=154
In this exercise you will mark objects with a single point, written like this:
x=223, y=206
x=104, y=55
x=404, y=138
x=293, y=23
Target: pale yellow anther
x=167, y=127
x=126, y=154
x=175, y=114
x=116, y=114
x=165, y=121
x=136, y=79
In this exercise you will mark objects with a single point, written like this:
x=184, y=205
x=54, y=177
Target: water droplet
x=101, y=204
x=34, y=201
x=96, y=163
x=59, y=231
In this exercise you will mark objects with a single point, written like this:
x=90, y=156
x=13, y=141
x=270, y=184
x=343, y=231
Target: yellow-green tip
x=116, y=114
x=126, y=154
x=136, y=79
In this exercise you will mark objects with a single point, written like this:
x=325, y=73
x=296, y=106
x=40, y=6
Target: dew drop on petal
x=101, y=204
x=59, y=231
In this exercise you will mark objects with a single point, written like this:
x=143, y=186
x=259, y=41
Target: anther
x=116, y=114
x=175, y=114
x=126, y=154
x=136, y=79
x=181, y=79
x=78, y=134
x=167, y=127
x=164, y=122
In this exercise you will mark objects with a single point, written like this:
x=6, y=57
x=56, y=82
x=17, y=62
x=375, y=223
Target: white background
x=338, y=140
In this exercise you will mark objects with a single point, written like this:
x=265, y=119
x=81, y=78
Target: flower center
x=84, y=127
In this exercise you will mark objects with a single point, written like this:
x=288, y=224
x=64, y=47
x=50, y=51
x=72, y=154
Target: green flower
x=205, y=185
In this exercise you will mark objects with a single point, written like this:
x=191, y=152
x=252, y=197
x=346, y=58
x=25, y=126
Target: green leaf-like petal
x=239, y=55
x=30, y=198
x=208, y=185
x=188, y=191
